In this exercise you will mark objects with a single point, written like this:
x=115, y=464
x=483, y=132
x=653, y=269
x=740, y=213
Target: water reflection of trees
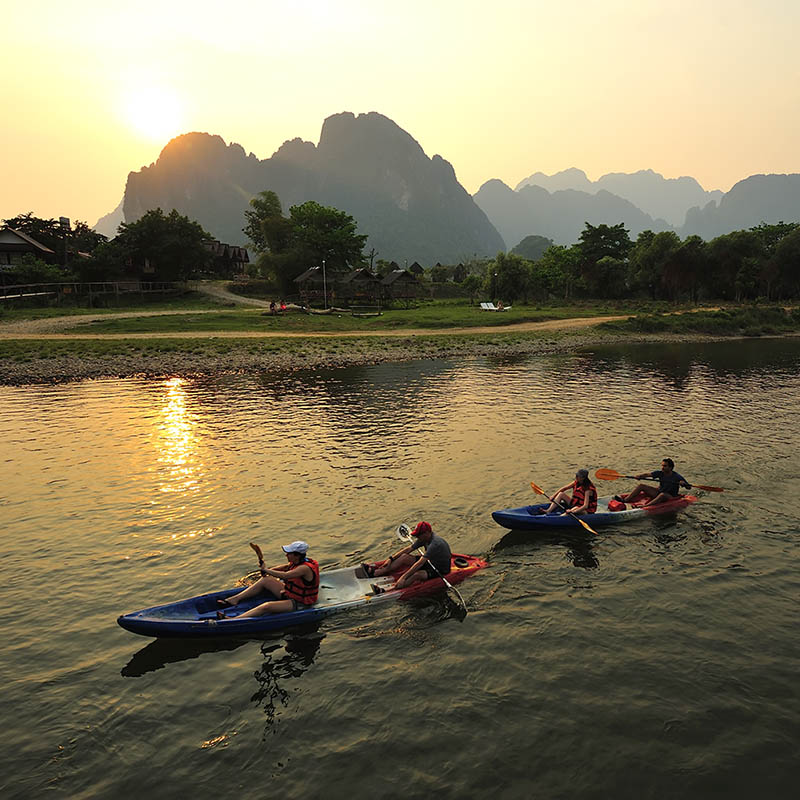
x=727, y=361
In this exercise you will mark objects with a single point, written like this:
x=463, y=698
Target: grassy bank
x=741, y=321
x=126, y=303
x=431, y=316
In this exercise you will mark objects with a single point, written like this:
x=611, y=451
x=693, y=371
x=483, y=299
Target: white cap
x=295, y=547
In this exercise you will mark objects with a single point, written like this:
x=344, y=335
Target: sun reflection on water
x=178, y=464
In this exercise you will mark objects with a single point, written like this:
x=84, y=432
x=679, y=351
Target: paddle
x=541, y=491
x=257, y=551
x=404, y=534
x=612, y=475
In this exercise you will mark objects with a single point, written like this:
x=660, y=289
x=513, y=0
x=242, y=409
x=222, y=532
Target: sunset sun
x=153, y=112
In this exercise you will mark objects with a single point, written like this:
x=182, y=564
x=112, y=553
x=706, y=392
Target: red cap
x=422, y=527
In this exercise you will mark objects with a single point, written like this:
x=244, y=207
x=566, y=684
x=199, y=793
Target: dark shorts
x=430, y=569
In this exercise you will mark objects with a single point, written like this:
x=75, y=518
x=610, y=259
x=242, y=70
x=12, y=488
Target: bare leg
x=270, y=607
x=402, y=562
x=562, y=501
x=265, y=584
x=641, y=490
x=659, y=498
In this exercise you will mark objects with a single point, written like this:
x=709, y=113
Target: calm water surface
x=657, y=660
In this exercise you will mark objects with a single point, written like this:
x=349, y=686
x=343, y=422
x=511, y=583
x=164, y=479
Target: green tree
x=267, y=229
x=172, y=244
x=556, y=272
x=509, y=277
x=786, y=262
x=439, y=273
x=651, y=259
x=732, y=258
x=532, y=247
x=472, y=285
x=326, y=234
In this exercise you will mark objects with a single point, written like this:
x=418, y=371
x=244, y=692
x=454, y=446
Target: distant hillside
x=410, y=206
x=108, y=224
x=560, y=215
x=660, y=197
x=757, y=199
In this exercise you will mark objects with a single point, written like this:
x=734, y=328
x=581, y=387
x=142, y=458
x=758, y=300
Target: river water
x=656, y=660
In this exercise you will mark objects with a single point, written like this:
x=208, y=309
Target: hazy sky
x=501, y=89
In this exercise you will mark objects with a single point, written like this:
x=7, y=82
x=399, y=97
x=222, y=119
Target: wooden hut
x=400, y=285
x=227, y=260
x=360, y=287
x=16, y=244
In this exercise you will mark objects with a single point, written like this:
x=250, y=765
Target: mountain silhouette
x=560, y=215
x=757, y=199
x=410, y=206
x=660, y=197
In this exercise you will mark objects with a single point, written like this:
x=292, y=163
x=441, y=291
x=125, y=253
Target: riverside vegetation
x=218, y=339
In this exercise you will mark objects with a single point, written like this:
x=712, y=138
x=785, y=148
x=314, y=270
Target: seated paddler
x=432, y=563
x=288, y=587
x=578, y=497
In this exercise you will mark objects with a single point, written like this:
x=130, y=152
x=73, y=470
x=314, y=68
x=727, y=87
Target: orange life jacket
x=579, y=495
x=298, y=589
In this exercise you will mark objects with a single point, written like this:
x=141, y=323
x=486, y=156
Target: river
x=656, y=660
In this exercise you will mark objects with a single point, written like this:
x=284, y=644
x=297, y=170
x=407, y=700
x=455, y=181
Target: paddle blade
x=708, y=488
x=608, y=474
x=257, y=551
x=537, y=489
x=403, y=531
x=586, y=525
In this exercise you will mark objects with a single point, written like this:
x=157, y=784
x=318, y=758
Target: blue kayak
x=531, y=518
x=339, y=590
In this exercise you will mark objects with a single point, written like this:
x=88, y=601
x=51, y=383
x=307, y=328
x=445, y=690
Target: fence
x=75, y=292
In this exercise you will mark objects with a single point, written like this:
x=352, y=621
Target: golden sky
x=94, y=89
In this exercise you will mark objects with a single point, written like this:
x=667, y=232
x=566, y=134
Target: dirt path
x=47, y=329
x=217, y=290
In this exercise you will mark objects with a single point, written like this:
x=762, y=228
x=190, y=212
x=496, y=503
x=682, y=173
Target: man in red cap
x=433, y=563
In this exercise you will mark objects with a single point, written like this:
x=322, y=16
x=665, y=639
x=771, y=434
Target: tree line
x=760, y=262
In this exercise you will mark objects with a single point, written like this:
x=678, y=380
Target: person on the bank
x=433, y=563
x=578, y=497
x=290, y=586
x=669, y=483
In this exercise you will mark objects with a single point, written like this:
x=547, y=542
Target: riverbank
x=51, y=361
x=34, y=352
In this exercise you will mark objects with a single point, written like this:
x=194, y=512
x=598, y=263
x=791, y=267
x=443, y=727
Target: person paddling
x=433, y=563
x=580, y=496
x=669, y=483
x=290, y=586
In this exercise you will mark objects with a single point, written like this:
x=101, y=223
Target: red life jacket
x=579, y=495
x=298, y=589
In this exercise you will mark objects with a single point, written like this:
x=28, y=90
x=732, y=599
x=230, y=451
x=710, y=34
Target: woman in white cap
x=580, y=496
x=292, y=585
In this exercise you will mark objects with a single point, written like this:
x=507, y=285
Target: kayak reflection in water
x=293, y=585
x=581, y=500
x=433, y=563
x=669, y=483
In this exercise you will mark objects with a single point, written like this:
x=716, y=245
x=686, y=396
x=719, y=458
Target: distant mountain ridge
x=560, y=215
x=410, y=206
x=660, y=197
x=413, y=208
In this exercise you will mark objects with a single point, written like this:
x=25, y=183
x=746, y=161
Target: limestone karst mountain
x=660, y=197
x=560, y=215
x=409, y=205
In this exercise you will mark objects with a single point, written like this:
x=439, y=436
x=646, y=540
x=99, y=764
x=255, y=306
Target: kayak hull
x=340, y=590
x=527, y=518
